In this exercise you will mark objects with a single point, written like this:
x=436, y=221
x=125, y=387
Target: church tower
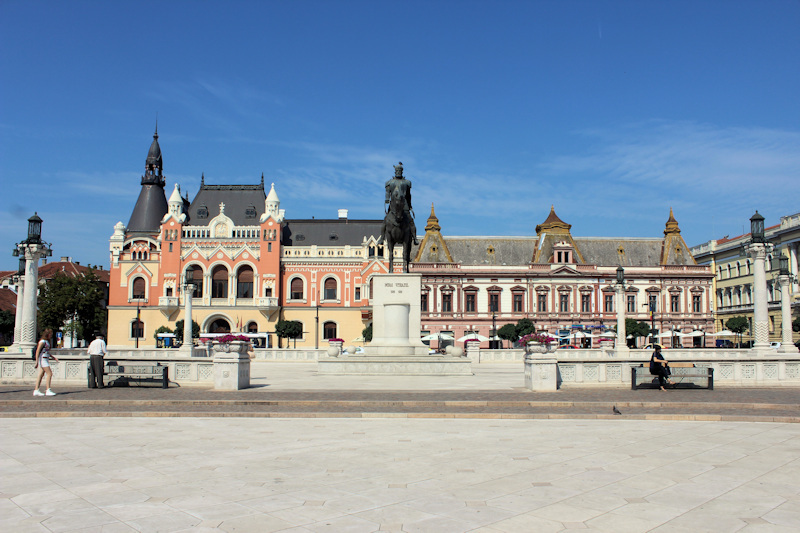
x=152, y=203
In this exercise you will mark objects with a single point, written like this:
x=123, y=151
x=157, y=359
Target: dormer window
x=202, y=211
x=333, y=237
x=250, y=212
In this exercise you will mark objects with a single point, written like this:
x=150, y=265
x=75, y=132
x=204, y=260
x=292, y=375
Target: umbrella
x=666, y=334
x=358, y=339
x=436, y=336
x=580, y=334
x=473, y=336
x=723, y=333
x=695, y=333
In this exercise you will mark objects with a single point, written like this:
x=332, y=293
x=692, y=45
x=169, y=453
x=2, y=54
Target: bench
x=137, y=371
x=685, y=375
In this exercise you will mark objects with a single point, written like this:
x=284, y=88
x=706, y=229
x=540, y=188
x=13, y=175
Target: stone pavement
x=413, y=475
x=301, y=453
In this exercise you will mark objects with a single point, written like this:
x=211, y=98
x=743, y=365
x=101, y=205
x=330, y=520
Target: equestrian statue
x=398, y=225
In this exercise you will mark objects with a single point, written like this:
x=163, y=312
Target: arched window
x=137, y=329
x=330, y=289
x=194, y=275
x=219, y=282
x=244, y=282
x=137, y=292
x=297, y=289
x=329, y=330
x=220, y=325
x=252, y=327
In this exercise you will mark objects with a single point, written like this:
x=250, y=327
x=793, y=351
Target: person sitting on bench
x=660, y=367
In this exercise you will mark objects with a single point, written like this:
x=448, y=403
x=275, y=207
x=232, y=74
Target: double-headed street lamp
x=758, y=248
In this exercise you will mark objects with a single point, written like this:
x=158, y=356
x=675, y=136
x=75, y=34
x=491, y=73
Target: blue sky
x=612, y=111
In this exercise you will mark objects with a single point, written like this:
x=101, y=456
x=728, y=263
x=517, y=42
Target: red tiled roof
x=8, y=300
x=728, y=239
x=70, y=269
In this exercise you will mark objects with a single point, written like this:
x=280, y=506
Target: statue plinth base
x=396, y=348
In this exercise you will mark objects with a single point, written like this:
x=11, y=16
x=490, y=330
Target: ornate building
x=251, y=267
x=560, y=282
x=733, y=275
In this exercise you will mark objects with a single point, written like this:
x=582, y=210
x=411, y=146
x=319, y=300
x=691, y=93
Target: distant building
x=561, y=282
x=250, y=267
x=733, y=276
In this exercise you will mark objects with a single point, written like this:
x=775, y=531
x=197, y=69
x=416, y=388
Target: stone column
x=758, y=251
x=188, y=291
x=33, y=252
x=16, y=347
x=622, y=342
x=786, y=317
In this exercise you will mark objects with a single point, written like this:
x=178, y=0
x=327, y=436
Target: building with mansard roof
x=561, y=282
x=250, y=267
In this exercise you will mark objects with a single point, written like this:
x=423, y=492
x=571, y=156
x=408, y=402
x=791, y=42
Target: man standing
x=97, y=349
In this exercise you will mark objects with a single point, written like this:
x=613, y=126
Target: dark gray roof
x=332, y=232
x=150, y=208
x=605, y=251
x=238, y=199
x=491, y=250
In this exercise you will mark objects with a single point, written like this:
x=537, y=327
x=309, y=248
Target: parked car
x=652, y=346
x=4, y=348
x=568, y=347
x=775, y=345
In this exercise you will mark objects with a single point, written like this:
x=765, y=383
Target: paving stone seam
x=402, y=403
x=526, y=416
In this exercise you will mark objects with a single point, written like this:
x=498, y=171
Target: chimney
x=342, y=214
x=65, y=259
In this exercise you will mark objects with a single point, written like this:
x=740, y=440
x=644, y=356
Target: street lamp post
x=31, y=250
x=758, y=250
x=494, y=328
x=20, y=278
x=785, y=279
x=188, y=321
x=622, y=343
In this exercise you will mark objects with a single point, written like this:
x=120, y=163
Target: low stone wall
x=740, y=368
x=73, y=366
x=290, y=354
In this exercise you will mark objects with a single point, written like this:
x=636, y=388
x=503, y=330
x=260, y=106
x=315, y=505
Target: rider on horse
x=399, y=186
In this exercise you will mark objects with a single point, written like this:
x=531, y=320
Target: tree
x=179, y=331
x=6, y=327
x=796, y=324
x=737, y=324
x=636, y=329
x=508, y=332
x=76, y=300
x=524, y=326
x=367, y=333
x=289, y=329
x=161, y=329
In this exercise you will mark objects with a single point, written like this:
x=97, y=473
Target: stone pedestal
x=786, y=317
x=231, y=370
x=541, y=372
x=396, y=348
x=397, y=316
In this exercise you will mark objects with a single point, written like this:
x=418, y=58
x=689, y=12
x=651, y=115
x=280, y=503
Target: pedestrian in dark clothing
x=660, y=367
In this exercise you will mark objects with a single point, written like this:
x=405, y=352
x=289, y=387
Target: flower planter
x=534, y=347
x=231, y=347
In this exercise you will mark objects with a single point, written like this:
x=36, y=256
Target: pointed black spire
x=202, y=178
x=151, y=206
x=262, y=180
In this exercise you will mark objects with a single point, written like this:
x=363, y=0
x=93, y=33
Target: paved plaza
x=299, y=452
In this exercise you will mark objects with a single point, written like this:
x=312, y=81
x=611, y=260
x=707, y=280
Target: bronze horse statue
x=398, y=231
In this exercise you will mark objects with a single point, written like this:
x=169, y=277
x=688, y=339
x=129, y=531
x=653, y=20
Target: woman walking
x=43, y=357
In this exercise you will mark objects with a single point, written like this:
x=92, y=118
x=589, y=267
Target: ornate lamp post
x=758, y=250
x=622, y=343
x=30, y=250
x=785, y=279
x=188, y=322
x=20, y=279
